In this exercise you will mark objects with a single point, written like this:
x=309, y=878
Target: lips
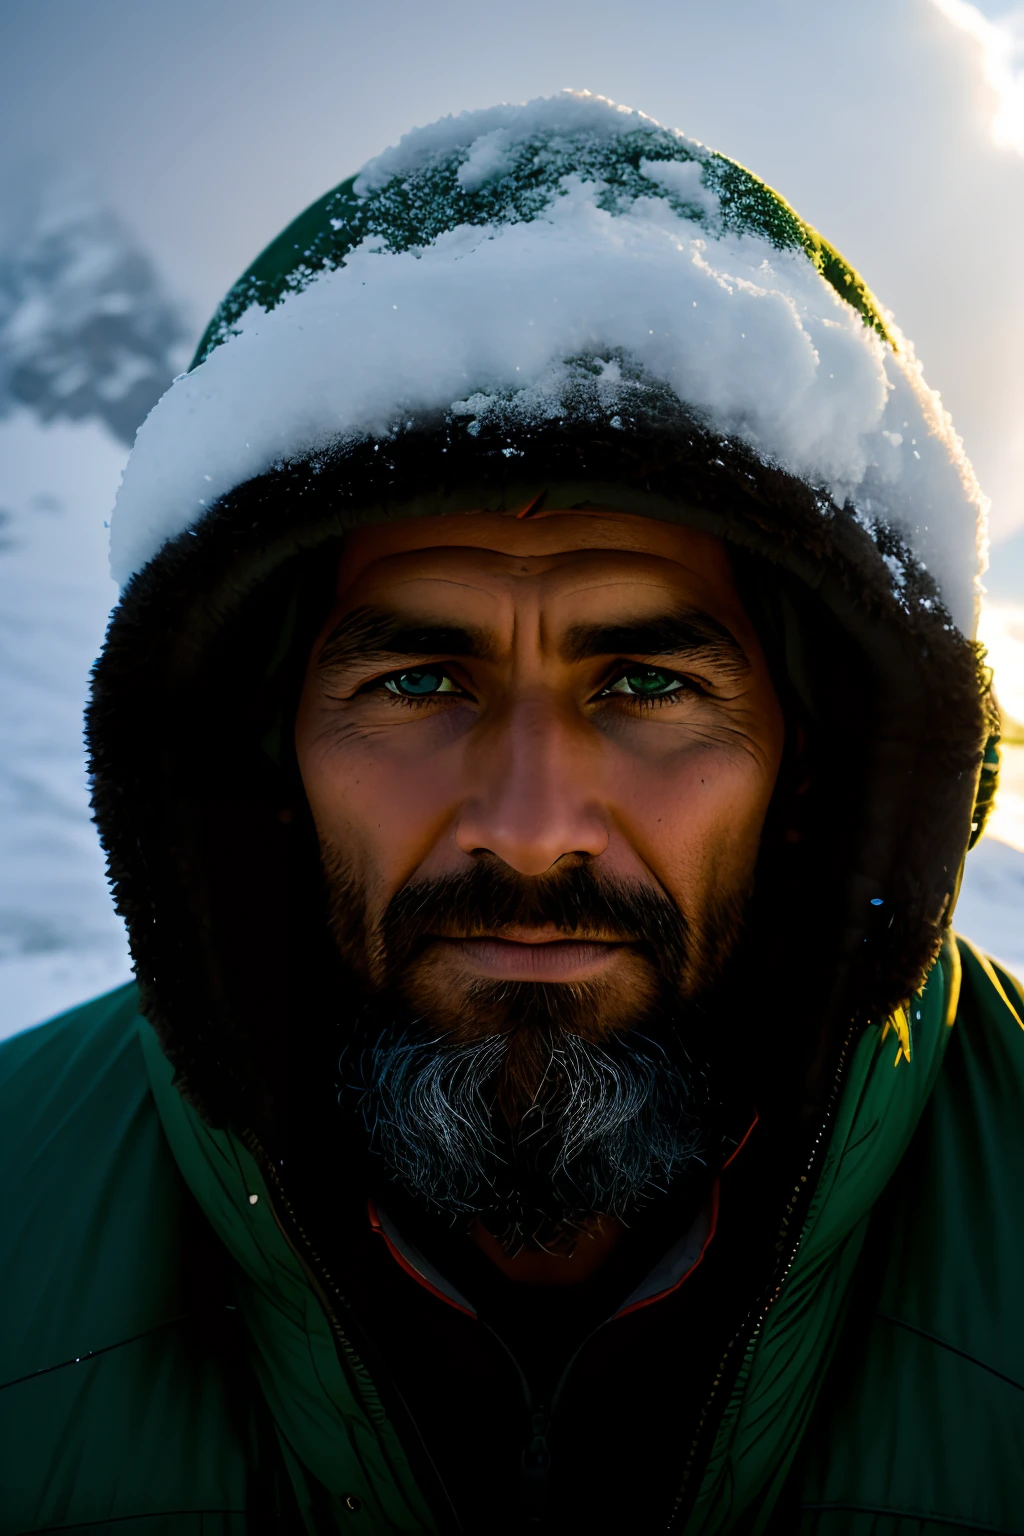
x=532, y=958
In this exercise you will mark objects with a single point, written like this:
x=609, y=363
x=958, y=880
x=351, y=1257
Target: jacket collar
x=322, y=1398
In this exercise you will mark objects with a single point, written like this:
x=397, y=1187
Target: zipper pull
x=536, y=1463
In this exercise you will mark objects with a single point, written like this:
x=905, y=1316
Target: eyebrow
x=373, y=634
x=690, y=634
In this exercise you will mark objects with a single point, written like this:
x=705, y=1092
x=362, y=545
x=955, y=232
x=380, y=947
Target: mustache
x=532, y=1104
x=574, y=899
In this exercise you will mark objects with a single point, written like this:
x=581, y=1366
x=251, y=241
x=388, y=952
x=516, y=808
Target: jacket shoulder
x=979, y=1095
x=998, y=994
x=923, y=1416
x=88, y=1184
x=114, y=1405
x=81, y=1159
x=62, y=1056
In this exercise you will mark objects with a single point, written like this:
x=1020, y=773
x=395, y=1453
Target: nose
x=533, y=795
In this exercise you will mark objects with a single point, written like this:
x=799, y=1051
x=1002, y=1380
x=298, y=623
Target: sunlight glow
x=1002, y=52
x=1001, y=631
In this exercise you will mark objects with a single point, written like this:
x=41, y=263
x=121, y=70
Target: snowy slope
x=59, y=938
x=991, y=907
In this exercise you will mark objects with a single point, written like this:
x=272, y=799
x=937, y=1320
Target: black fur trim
x=217, y=890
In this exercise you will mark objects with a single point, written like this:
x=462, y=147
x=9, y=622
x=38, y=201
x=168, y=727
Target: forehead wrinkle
x=515, y=613
x=536, y=592
x=553, y=570
x=421, y=578
x=676, y=602
x=449, y=562
x=630, y=582
x=525, y=602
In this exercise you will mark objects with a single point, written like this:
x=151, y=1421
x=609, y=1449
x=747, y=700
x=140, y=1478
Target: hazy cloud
x=1001, y=41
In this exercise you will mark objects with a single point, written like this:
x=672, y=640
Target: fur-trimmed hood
x=867, y=618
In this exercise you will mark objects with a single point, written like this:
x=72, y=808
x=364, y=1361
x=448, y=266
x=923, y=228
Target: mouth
x=533, y=955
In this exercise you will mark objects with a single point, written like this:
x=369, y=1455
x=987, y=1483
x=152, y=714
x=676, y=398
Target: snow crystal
x=682, y=179
x=569, y=112
x=896, y=571
x=488, y=158
x=492, y=319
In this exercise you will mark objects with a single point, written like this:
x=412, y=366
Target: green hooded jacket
x=135, y=1401
x=178, y=1358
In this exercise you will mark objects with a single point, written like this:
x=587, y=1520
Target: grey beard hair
x=611, y=1124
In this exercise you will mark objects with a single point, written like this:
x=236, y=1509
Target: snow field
x=59, y=936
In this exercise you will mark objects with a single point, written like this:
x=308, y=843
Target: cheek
x=383, y=796
x=696, y=818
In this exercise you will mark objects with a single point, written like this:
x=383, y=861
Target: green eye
x=645, y=683
x=420, y=683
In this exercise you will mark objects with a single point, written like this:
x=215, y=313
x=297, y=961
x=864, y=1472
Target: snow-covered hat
x=511, y=266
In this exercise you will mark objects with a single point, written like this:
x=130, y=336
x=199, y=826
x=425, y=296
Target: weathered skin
x=525, y=758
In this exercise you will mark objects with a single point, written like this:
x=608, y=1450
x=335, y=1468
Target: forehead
x=484, y=564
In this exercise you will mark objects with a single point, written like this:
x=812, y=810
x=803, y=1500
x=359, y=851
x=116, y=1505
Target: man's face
x=538, y=754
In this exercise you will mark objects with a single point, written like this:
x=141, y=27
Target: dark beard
x=611, y=1125
x=528, y=1107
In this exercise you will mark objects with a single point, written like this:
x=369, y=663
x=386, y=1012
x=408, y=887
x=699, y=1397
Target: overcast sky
x=895, y=126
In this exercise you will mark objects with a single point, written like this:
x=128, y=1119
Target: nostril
x=529, y=830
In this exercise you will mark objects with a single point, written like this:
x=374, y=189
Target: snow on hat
x=486, y=263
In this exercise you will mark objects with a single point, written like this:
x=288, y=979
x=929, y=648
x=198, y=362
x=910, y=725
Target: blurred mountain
x=89, y=340
x=87, y=329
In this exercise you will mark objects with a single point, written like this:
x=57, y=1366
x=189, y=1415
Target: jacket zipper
x=535, y=1458
x=536, y=1464
x=759, y=1312
x=325, y=1287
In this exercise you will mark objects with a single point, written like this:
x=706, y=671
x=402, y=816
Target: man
x=536, y=748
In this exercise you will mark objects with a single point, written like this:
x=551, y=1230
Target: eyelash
x=688, y=686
